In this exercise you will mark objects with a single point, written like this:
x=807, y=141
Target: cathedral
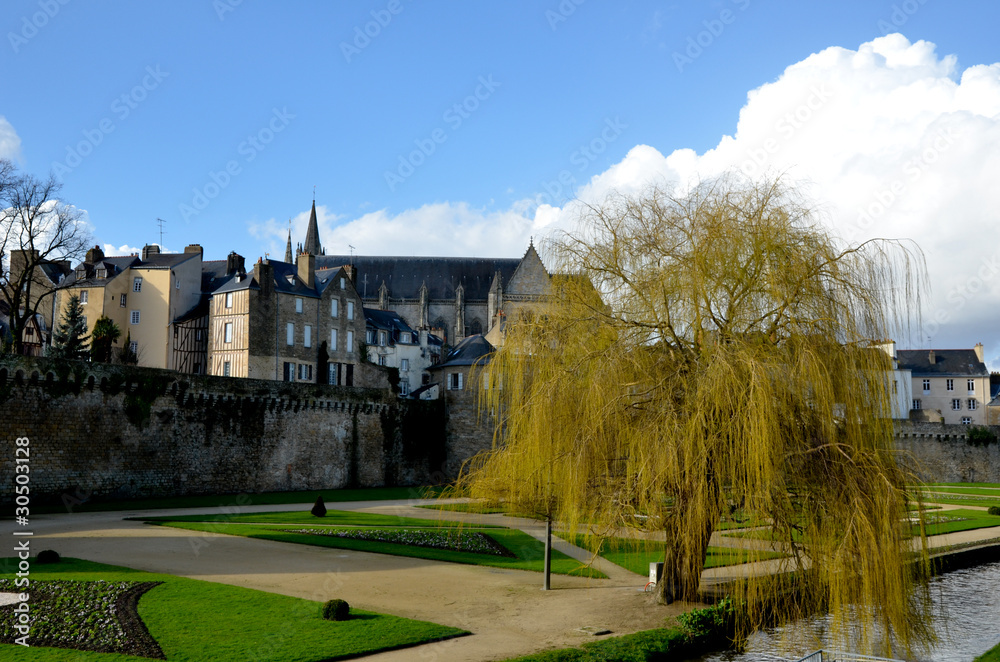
x=452, y=297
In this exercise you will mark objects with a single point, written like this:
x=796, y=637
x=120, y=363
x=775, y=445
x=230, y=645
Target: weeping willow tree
x=714, y=353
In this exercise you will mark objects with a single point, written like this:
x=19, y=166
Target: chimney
x=194, y=248
x=148, y=251
x=234, y=264
x=264, y=272
x=979, y=352
x=95, y=254
x=932, y=357
x=306, y=264
x=352, y=273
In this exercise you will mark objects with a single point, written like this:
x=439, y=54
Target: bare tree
x=37, y=229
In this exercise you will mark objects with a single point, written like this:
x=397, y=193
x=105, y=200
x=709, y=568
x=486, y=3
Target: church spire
x=312, y=245
x=288, y=246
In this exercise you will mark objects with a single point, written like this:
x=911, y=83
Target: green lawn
x=529, y=553
x=937, y=523
x=983, y=491
x=195, y=620
x=243, y=500
x=332, y=518
x=636, y=558
x=992, y=655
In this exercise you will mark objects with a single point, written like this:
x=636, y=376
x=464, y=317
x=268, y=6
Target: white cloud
x=10, y=143
x=111, y=251
x=891, y=140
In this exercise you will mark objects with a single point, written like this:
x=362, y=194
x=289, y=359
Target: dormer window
x=102, y=273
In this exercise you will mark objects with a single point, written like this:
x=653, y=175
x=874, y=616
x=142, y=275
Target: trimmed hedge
x=336, y=610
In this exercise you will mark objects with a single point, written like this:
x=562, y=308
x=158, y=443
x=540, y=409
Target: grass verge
x=528, y=552
x=992, y=655
x=636, y=558
x=194, y=620
x=243, y=500
x=332, y=518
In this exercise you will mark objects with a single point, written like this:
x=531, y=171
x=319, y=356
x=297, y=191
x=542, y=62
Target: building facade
x=948, y=385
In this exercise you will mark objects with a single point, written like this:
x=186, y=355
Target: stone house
x=287, y=322
x=948, y=385
x=46, y=276
x=392, y=343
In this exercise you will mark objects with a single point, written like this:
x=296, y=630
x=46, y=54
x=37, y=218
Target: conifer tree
x=70, y=338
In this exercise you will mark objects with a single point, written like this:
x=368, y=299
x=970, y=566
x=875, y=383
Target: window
x=289, y=374
x=177, y=285
x=197, y=334
x=895, y=386
x=123, y=301
x=381, y=359
x=102, y=273
x=307, y=338
x=343, y=283
x=966, y=420
x=927, y=386
x=333, y=340
x=290, y=334
x=333, y=307
x=350, y=343
x=305, y=372
x=229, y=299
x=133, y=347
x=404, y=364
x=298, y=304
x=30, y=331
x=973, y=404
x=956, y=404
x=197, y=368
x=972, y=385
x=370, y=336
x=137, y=285
x=226, y=367
x=455, y=381
x=228, y=332
x=381, y=338
x=135, y=317
x=950, y=385
x=84, y=295
x=404, y=338
x=404, y=387
x=916, y=404
x=334, y=374
x=350, y=310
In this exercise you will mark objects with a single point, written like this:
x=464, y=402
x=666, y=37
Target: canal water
x=966, y=617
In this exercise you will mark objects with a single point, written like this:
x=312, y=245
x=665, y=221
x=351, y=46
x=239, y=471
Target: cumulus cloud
x=111, y=251
x=889, y=140
x=10, y=143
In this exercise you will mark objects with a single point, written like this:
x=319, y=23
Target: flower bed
x=90, y=616
x=464, y=541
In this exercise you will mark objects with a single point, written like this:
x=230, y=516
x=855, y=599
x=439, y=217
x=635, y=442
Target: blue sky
x=445, y=128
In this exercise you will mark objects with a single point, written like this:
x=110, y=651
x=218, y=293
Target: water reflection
x=966, y=616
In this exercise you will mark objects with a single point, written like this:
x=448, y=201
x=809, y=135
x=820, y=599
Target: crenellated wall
x=116, y=432
x=942, y=453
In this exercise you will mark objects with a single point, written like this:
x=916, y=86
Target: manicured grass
x=983, y=491
x=937, y=524
x=243, y=500
x=195, y=620
x=992, y=655
x=973, y=519
x=956, y=500
x=635, y=557
x=333, y=518
x=529, y=553
x=997, y=485
x=648, y=645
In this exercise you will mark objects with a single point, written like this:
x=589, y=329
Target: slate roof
x=470, y=351
x=113, y=265
x=390, y=321
x=404, y=275
x=962, y=362
x=165, y=260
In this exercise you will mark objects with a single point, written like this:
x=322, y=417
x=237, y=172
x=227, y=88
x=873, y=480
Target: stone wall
x=942, y=453
x=115, y=432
